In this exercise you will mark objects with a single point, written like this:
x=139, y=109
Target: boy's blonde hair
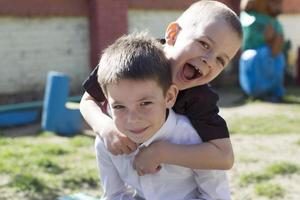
x=206, y=10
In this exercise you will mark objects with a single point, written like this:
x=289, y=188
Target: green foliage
x=81, y=141
x=246, y=179
x=27, y=182
x=50, y=166
x=269, y=190
x=51, y=149
x=40, y=167
x=4, y=141
x=282, y=168
x=81, y=179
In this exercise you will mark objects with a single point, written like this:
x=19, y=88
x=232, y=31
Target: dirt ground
x=253, y=153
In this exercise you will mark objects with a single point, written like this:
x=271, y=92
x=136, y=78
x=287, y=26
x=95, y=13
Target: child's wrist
x=161, y=149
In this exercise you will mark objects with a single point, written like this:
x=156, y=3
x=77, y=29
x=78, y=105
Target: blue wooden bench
x=58, y=117
x=20, y=113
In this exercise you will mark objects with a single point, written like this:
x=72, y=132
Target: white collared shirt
x=171, y=182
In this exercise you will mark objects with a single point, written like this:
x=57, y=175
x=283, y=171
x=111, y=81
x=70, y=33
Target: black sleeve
x=202, y=110
x=92, y=86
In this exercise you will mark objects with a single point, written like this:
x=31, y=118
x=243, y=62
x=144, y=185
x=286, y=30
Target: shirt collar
x=164, y=131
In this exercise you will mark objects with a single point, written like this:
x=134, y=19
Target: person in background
x=262, y=62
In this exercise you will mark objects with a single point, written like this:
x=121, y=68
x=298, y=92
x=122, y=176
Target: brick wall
x=108, y=21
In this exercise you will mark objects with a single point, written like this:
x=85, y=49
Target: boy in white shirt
x=136, y=80
x=199, y=46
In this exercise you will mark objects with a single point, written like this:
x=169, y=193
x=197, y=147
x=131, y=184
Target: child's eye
x=146, y=103
x=117, y=107
x=204, y=44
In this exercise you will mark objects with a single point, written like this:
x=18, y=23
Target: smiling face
x=198, y=56
x=139, y=107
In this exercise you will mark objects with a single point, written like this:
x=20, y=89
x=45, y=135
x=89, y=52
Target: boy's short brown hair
x=135, y=56
x=204, y=10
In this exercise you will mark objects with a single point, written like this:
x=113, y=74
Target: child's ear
x=171, y=33
x=171, y=96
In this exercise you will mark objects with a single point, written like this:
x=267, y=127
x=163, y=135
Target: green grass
x=28, y=182
x=277, y=124
x=47, y=166
x=50, y=166
x=285, y=120
x=253, y=177
x=81, y=179
x=280, y=168
x=269, y=190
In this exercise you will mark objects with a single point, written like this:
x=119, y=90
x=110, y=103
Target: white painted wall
x=30, y=47
x=291, y=27
x=155, y=22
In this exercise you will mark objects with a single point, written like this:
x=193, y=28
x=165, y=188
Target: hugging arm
x=214, y=153
x=208, y=155
x=116, y=142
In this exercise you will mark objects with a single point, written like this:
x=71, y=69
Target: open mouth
x=191, y=72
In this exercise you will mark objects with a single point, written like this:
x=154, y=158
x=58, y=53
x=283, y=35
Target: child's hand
x=148, y=159
x=116, y=142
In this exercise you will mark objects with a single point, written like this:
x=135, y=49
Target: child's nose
x=132, y=117
x=208, y=59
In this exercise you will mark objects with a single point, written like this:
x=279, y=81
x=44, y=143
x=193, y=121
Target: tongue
x=188, y=71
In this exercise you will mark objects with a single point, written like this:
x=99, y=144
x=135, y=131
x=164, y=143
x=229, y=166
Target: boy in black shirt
x=199, y=45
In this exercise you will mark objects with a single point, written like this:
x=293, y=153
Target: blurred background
x=37, y=36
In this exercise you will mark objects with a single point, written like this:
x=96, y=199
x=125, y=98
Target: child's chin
x=137, y=140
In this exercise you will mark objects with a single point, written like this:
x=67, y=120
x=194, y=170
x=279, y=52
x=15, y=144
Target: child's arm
x=116, y=142
x=216, y=151
x=215, y=154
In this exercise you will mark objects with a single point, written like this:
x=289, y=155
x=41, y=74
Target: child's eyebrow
x=148, y=97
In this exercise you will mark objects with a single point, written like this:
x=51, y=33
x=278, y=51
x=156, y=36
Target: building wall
x=30, y=47
x=291, y=27
x=37, y=36
x=153, y=21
